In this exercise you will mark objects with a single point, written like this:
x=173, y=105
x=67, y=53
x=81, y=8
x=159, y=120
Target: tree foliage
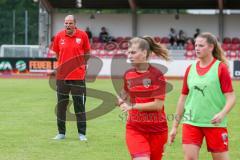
x=8, y=7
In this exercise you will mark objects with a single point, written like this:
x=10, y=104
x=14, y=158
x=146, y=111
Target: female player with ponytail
x=144, y=87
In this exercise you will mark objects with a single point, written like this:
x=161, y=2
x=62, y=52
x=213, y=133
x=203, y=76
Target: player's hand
x=125, y=107
x=218, y=118
x=119, y=101
x=172, y=135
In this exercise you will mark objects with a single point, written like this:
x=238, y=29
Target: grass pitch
x=28, y=122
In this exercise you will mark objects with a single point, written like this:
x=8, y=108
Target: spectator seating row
x=234, y=40
x=109, y=49
x=231, y=50
x=230, y=46
x=226, y=40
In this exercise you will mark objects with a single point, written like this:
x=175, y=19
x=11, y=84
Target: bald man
x=72, y=49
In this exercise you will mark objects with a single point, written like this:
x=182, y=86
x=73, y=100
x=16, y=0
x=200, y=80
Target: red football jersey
x=71, y=50
x=143, y=88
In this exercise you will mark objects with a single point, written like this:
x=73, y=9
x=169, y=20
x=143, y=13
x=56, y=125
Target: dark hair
x=217, y=52
x=148, y=43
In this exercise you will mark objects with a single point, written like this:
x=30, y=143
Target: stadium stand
x=231, y=47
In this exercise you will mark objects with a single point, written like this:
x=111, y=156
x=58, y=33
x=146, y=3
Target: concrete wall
x=159, y=24
x=232, y=25
x=116, y=24
x=151, y=24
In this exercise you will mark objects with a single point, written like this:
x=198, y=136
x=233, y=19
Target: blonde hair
x=217, y=52
x=147, y=43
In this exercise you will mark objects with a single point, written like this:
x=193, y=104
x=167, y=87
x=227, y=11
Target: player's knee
x=190, y=155
x=141, y=158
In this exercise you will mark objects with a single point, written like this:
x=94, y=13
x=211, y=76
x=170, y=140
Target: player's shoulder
x=156, y=71
x=189, y=66
x=80, y=31
x=130, y=71
x=223, y=68
x=60, y=33
x=223, y=65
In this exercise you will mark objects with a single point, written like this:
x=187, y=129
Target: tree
x=6, y=21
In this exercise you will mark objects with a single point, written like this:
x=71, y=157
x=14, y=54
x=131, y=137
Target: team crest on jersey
x=62, y=41
x=78, y=40
x=225, y=138
x=146, y=82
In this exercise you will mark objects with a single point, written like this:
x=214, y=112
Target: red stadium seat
x=234, y=51
x=157, y=39
x=232, y=54
x=95, y=40
x=119, y=39
x=111, y=46
x=227, y=40
x=235, y=40
x=165, y=40
x=97, y=49
x=123, y=45
x=102, y=46
x=225, y=46
x=96, y=46
x=235, y=47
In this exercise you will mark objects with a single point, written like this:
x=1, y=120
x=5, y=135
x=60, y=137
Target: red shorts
x=216, y=138
x=145, y=144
